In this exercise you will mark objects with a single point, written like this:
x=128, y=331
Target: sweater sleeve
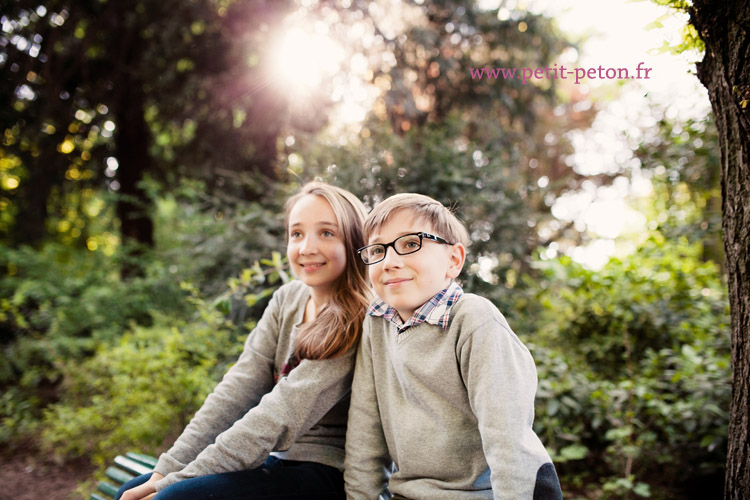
x=294, y=405
x=242, y=388
x=501, y=381
x=367, y=463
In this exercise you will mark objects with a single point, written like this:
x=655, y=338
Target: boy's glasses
x=403, y=245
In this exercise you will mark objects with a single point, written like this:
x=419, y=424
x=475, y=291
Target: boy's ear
x=457, y=258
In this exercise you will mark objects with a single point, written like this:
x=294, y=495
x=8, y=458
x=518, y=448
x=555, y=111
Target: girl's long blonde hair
x=338, y=325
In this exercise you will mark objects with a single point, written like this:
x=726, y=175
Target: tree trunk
x=134, y=207
x=724, y=26
x=29, y=228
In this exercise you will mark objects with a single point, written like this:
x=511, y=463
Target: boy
x=442, y=386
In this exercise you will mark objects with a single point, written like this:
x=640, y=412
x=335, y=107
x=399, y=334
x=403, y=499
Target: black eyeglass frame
x=422, y=235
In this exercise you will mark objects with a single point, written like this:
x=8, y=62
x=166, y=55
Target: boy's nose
x=392, y=259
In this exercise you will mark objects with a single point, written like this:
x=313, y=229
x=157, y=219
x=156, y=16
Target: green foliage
x=205, y=242
x=143, y=388
x=691, y=40
x=57, y=306
x=634, y=372
x=140, y=390
x=682, y=158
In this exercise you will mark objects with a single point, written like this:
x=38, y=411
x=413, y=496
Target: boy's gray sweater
x=302, y=417
x=453, y=408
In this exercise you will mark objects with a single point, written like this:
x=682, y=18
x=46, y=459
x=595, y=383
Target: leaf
x=224, y=306
x=642, y=490
x=574, y=452
x=707, y=441
x=552, y=407
x=247, y=275
x=251, y=299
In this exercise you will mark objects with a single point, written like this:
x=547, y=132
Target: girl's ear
x=457, y=259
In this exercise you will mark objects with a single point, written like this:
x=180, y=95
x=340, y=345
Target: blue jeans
x=276, y=479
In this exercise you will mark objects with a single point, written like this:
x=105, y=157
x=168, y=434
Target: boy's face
x=406, y=282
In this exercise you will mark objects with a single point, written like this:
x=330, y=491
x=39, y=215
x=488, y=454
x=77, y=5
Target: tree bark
x=30, y=226
x=724, y=27
x=134, y=207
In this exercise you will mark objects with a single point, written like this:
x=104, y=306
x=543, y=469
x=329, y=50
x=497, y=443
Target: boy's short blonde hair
x=442, y=220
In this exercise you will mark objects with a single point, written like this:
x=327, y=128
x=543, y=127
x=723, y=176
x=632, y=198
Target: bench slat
x=108, y=488
x=146, y=460
x=96, y=496
x=119, y=476
x=132, y=466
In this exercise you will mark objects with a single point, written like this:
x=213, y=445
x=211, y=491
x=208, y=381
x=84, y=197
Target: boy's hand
x=145, y=491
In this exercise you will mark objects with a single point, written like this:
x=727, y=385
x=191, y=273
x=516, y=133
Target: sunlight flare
x=302, y=59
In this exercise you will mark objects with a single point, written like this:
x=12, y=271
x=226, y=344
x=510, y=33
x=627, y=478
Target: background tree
x=159, y=78
x=724, y=28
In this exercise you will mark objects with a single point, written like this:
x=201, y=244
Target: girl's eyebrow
x=321, y=223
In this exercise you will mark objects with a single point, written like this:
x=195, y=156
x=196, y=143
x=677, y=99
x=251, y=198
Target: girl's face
x=316, y=249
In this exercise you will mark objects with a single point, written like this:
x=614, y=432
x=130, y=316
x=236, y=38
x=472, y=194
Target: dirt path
x=25, y=476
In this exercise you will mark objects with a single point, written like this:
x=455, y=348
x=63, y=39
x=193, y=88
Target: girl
x=288, y=394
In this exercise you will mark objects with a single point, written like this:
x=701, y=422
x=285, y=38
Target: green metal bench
x=125, y=468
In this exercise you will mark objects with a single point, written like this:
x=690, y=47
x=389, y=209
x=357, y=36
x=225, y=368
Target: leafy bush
x=634, y=370
x=142, y=390
x=62, y=304
x=57, y=306
x=205, y=239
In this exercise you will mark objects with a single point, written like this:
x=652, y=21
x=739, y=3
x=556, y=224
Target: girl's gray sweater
x=302, y=417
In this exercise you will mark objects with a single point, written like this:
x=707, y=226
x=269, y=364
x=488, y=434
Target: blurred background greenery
x=147, y=150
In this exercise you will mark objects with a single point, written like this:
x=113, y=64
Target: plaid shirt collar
x=435, y=311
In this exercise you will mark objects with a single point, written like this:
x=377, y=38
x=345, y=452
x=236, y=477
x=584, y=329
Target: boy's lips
x=396, y=281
